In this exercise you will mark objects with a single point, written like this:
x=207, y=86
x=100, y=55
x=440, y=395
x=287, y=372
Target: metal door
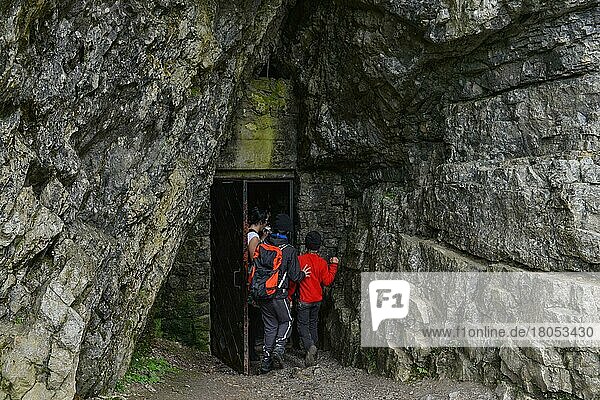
x=228, y=291
x=228, y=335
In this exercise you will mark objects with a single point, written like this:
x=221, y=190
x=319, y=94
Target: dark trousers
x=278, y=325
x=308, y=322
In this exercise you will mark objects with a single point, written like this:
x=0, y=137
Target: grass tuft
x=145, y=370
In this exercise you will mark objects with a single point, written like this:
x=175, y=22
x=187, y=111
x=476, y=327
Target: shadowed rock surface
x=445, y=133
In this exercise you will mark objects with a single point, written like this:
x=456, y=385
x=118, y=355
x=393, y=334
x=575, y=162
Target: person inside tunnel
x=258, y=220
x=258, y=229
x=275, y=265
x=309, y=293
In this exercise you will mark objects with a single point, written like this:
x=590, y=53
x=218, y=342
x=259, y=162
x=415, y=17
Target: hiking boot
x=278, y=360
x=266, y=366
x=311, y=355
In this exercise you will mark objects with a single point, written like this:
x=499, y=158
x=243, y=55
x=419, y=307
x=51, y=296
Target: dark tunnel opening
x=230, y=314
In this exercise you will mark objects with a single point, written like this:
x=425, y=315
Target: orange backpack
x=265, y=278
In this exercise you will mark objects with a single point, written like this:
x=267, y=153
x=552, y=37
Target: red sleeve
x=328, y=273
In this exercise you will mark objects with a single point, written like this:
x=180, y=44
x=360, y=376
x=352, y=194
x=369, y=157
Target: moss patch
x=419, y=373
x=32, y=11
x=201, y=330
x=258, y=130
x=195, y=91
x=186, y=320
x=268, y=96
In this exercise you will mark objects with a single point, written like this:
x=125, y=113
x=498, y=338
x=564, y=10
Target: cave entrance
x=231, y=199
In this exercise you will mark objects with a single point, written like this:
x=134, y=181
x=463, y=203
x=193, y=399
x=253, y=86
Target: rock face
x=262, y=140
x=111, y=116
x=468, y=134
x=431, y=133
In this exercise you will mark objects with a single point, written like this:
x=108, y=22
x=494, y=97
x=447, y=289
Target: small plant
x=145, y=370
x=120, y=386
x=419, y=373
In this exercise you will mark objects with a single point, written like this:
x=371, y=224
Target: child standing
x=311, y=293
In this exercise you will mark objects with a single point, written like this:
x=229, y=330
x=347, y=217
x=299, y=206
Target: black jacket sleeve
x=294, y=272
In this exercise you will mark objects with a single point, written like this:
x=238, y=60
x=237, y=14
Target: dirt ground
x=202, y=376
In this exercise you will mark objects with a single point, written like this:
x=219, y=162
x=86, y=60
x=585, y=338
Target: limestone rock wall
x=466, y=134
x=459, y=132
x=111, y=116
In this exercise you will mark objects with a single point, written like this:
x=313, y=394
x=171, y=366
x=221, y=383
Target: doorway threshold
x=255, y=174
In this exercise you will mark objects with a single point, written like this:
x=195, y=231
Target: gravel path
x=202, y=376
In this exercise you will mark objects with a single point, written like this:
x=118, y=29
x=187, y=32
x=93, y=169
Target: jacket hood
x=275, y=241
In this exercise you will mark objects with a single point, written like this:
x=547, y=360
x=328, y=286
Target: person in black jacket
x=276, y=311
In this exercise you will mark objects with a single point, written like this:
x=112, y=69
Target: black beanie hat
x=283, y=223
x=313, y=240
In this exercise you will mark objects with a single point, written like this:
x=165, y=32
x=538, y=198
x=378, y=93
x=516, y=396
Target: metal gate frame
x=241, y=284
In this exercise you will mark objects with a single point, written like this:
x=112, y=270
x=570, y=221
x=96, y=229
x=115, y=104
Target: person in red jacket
x=311, y=293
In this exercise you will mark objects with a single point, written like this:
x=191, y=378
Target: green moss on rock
x=33, y=10
x=268, y=95
x=187, y=320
